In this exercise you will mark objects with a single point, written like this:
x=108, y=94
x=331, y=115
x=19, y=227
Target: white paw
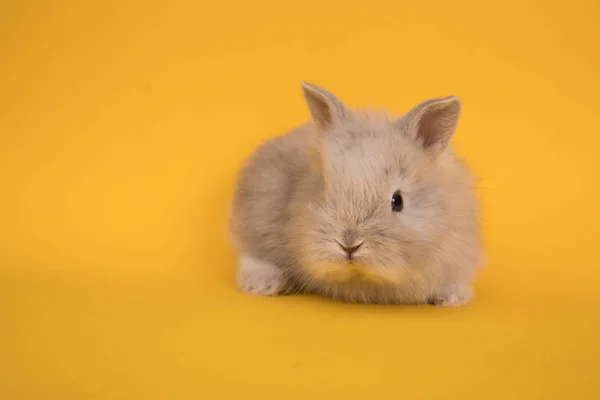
x=453, y=296
x=260, y=278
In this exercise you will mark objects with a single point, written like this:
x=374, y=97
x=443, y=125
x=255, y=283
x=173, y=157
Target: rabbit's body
x=312, y=211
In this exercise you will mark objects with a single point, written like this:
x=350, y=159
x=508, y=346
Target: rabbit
x=361, y=207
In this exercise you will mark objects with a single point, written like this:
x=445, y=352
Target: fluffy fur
x=304, y=196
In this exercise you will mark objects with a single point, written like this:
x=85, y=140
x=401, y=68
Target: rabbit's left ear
x=433, y=122
x=326, y=109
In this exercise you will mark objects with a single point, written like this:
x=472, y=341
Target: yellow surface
x=122, y=125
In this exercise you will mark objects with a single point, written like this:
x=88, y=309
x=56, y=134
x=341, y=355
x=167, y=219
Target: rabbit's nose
x=350, y=249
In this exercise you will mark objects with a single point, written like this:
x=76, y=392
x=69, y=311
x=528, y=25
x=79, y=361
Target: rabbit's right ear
x=324, y=107
x=433, y=122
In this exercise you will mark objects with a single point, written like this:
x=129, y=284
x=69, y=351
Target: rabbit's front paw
x=260, y=278
x=453, y=296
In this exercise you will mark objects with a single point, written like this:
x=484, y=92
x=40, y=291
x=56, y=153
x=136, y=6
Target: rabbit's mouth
x=349, y=270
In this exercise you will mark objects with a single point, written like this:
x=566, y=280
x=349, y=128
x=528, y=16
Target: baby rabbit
x=360, y=207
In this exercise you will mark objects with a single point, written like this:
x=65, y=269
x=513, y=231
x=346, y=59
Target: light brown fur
x=330, y=182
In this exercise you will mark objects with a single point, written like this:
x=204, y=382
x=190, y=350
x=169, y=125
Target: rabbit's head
x=392, y=191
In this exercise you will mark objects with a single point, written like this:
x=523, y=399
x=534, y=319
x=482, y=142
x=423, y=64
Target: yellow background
x=122, y=126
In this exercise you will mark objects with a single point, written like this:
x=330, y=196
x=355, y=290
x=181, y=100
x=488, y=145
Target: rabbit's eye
x=397, y=202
